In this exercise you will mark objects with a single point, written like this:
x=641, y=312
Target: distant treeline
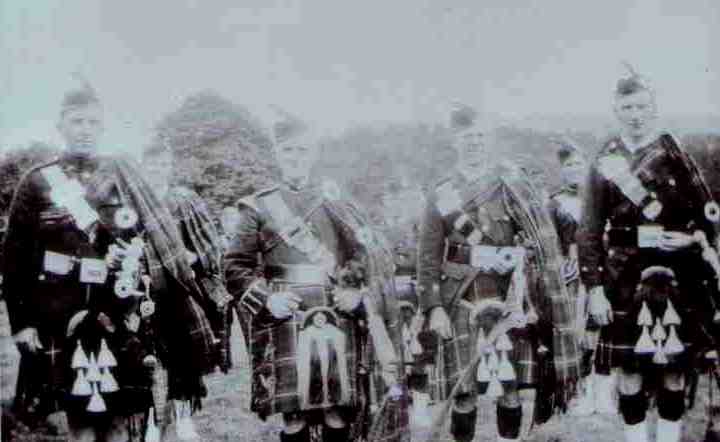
x=224, y=153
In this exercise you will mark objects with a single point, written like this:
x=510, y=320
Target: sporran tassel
x=645, y=344
x=97, y=403
x=660, y=357
x=493, y=362
x=673, y=345
x=495, y=388
x=93, y=374
x=105, y=357
x=644, y=317
x=108, y=384
x=81, y=387
x=483, y=372
x=671, y=316
x=658, y=334
x=79, y=358
x=506, y=371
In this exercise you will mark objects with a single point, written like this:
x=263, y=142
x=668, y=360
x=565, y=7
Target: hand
x=599, y=306
x=440, y=323
x=28, y=339
x=283, y=304
x=348, y=300
x=673, y=241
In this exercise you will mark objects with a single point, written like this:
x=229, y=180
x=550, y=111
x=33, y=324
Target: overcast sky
x=339, y=62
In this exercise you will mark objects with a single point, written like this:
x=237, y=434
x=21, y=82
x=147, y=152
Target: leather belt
x=463, y=253
x=303, y=274
x=642, y=236
x=404, y=279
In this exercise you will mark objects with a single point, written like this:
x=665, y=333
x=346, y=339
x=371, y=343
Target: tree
x=221, y=150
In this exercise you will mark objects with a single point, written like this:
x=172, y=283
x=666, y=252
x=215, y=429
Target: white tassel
x=97, y=403
x=645, y=344
x=495, y=388
x=506, y=371
x=108, y=384
x=493, y=362
x=673, y=345
x=79, y=358
x=105, y=357
x=93, y=374
x=658, y=333
x=660, y=358
x=81, y=387
x=483, y=372
x=645, y=317
x=671, y=316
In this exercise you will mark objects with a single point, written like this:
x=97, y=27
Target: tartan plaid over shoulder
x=527, y=209
x=167, y=259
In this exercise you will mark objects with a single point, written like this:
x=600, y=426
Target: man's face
x=82, y=127
x=636, y=113
x=472, y=148
x=159, y=168
x=573, y=170
x=296, y=159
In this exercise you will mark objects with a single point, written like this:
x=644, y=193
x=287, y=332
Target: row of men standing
x=116, y=282
x=118, y=302
x=630, y=296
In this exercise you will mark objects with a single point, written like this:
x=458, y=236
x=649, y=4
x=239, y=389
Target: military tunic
x=44, y=287
x=284, y=378
x=617, y=250
x=444, y=268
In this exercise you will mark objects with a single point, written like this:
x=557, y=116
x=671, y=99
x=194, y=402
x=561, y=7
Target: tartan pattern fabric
x=197, y=228
x=166, y=255
x=529, y=212
x=454, y=355
x=274, y=362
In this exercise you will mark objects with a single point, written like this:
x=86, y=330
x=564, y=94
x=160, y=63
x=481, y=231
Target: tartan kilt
x=133, y=379
x=454, y=355
x=275, y=360
x=692, y=300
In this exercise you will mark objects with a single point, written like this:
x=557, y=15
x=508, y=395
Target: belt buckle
x=57, y=263
x=483, y=256
x=649, y=236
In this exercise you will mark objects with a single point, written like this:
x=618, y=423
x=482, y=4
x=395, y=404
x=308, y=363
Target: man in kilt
x=204, y=251
x=309, y=271
x=564, y=207
x=489, y=282
x=647, y=248
x=98, y=291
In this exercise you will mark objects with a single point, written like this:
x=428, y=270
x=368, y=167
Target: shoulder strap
x=616, y=169
x=448, y=200
x=70, y=194
x=293, y=230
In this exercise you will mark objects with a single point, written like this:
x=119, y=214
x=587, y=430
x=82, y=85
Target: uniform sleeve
x=431, y=247
x=591, y=251
x=20, y=244
x=242, y=262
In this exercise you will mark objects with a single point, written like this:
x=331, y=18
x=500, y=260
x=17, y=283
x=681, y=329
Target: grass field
x=225, y=415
